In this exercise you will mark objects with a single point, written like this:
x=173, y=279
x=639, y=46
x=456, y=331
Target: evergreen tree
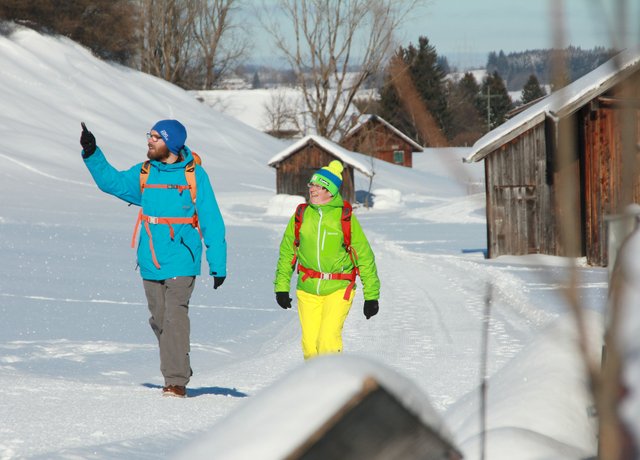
x=467, y=124
x=443, y=63
x=428, y=78
x=255, y=83
x=390, y=108
x=495, y=100
x=532, y=90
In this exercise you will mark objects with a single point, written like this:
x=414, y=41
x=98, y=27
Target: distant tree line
x=516, y=68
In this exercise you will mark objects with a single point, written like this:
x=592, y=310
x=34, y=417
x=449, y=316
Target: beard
x=158, y=155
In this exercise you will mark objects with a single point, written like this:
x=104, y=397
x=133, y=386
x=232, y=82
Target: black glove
x=370, y=308
x=87, y=141
x=283, y=299
x=217, y=281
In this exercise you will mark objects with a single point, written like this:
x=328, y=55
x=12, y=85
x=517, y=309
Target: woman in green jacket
x=326, y=269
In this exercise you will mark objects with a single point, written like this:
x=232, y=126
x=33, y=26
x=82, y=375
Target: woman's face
x=319, y=194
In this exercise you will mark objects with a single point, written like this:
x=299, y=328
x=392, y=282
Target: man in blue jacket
x=177, y=209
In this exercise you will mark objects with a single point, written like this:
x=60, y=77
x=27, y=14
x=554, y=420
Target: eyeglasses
x=315, y=186
x=154, y=137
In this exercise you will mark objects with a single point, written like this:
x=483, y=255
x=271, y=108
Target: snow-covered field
x=79, y=373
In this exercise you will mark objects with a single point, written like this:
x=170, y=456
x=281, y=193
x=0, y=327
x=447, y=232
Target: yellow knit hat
x=329, y=177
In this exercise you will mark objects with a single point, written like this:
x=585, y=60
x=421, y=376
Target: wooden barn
x=374, y=136
x=296, y=164
x=522, y=163
x=360, y=410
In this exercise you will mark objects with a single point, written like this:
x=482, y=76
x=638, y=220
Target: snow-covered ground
x=79, y=373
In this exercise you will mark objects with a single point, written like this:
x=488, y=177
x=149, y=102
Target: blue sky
x=468, y=27
x=467, y=30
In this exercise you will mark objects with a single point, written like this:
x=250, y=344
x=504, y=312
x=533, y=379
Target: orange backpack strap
x=190, y=173
x=144, y=174
x=146, y=220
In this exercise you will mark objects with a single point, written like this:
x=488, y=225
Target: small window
x=398, y=157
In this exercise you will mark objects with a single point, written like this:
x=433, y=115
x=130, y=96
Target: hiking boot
x=176, y=391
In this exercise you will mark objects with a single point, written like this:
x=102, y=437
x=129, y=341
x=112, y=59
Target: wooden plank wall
x=378, y=140
x=521, y=211
x=604, y=168
x=293, y=173
x=520, y=215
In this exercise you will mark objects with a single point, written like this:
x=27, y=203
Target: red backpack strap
x=299, y=215
x=347, y=210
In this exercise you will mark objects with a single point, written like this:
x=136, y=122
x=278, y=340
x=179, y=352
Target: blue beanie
x=173, y=133
x=329, y=177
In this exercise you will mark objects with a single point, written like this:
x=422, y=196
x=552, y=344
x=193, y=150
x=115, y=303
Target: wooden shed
x=333, y=407
x=296, y=164
x=372, y=135
x=522, y=164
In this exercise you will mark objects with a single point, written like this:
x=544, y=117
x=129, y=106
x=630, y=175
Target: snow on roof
x=364, y=118
x=343, y=154
x=560, y=104
x=284, y=415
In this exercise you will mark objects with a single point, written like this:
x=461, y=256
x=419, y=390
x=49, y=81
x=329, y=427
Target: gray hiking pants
x=169, y=307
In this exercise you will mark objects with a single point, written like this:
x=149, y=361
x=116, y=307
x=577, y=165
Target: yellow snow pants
x=321, y=320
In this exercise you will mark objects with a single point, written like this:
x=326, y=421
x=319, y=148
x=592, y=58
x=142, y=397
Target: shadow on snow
x=194, y=392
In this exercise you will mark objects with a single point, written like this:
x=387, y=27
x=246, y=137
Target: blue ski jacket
x=178, y=247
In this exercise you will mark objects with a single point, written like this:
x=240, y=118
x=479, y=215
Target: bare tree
x=166, y=38
x=220, y=41
x=333, y=48
x=190, y=42
x=280, y=114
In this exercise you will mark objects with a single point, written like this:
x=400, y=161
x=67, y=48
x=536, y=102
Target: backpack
x=190, y=175
x=345, y=221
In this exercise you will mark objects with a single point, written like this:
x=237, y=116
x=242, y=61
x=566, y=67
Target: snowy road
x=79, y=373
x=84, y=365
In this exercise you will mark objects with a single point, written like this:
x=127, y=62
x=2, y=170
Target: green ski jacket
x=321, y=249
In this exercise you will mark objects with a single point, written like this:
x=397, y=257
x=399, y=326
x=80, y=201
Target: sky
x=464, y=29
x=467, y=30
x=79, y=373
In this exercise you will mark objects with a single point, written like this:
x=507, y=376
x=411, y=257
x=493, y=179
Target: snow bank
x=524, y=408
x=283, y=205
x=629, y=332
x=387, y=198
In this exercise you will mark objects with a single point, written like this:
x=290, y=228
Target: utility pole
x=488, y=108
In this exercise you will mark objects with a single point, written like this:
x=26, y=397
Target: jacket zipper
x=188, y=249
x=318, y=250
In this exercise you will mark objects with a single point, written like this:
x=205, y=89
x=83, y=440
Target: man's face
x=157, y=149
x=319, y=194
